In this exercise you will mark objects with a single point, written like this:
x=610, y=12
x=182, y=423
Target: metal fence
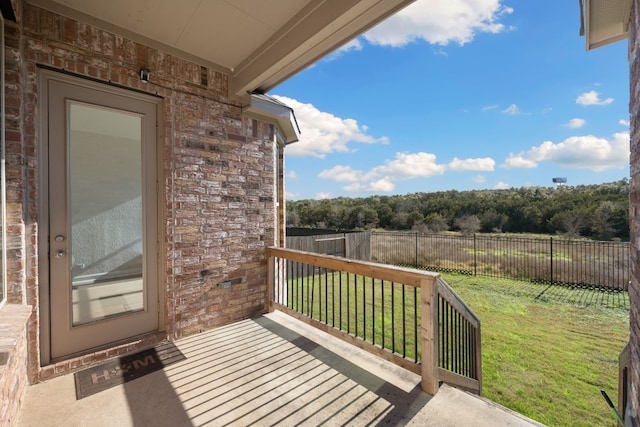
x=594, y=264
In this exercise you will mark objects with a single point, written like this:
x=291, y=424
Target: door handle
x=61, y=254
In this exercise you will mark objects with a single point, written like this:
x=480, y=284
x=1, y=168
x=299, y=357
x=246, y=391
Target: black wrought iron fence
x=596, y=264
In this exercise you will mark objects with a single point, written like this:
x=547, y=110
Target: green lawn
x=547, y=351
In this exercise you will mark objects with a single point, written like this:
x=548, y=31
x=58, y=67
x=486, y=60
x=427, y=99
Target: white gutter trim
x=270, y=110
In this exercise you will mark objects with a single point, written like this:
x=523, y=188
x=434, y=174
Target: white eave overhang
x=604, y=21
x=270, y=110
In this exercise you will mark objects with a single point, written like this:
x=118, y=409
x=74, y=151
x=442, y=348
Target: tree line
x=596, y=211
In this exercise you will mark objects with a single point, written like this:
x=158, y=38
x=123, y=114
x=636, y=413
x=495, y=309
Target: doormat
x=125, y=368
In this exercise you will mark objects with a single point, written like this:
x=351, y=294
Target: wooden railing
x=623, y=379
x=409, y=317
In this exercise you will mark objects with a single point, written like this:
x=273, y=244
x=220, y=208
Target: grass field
x=547, y=352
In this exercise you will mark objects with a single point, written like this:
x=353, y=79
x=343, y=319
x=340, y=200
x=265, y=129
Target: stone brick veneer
x=634, y=288
x=217, y=176
x=13, y=361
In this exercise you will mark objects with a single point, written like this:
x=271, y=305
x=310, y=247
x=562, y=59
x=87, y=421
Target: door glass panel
x=105, y=201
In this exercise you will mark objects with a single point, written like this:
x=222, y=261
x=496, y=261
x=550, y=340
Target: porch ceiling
x=258, y=43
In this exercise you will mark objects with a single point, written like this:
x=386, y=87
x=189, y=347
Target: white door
x=102, y=215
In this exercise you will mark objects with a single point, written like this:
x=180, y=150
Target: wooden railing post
x=429, y=334
x=271, y=281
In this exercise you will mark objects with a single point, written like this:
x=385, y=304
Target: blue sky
x=460, y=94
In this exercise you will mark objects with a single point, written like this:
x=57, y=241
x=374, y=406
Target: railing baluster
x=348, y=305
x=305, y=302
x=393, y=317
x=340, y=302
x=446, y=336
x=364, y=309
x=415, y=324
x=355, y=296
x=373, y=311
x=459, y=341
x=440, y=330
x=383, y=312
x=292, y=278
x=404, y=323
x=326, y=297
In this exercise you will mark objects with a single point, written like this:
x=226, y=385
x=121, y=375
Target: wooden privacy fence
x=409, y=317
x=594, y=264
x=348, y=245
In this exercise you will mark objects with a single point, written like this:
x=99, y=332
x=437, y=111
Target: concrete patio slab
x=271, y=370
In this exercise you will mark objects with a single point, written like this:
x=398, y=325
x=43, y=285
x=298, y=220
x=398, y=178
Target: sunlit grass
x=546, y=350
x=546, y=358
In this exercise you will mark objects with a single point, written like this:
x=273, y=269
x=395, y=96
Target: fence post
x=551, y=251
x=416, y=264
x=429, y=321
x=346, y=247
x=475, y=256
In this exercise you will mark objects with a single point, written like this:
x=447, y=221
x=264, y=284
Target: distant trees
x=467, y=224
x=596, y=211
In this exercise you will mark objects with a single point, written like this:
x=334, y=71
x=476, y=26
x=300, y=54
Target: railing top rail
x=506, y=236
x=330, y=239
x=391, y=273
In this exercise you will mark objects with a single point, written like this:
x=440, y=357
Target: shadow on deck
x=257, y=371
x=271, y=370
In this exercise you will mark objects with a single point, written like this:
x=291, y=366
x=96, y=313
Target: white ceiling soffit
x=605, y=21
x=259, y=43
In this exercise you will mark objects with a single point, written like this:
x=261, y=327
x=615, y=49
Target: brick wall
x=17, y=155
x=634, y=289
x=217, y=174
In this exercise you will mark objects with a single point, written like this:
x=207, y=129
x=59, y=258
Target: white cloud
x=576, y=123
x=485, y=164
x=341, y=174
x=354, y=188
x=353, y=45
x=480, y=179
x=501, y=186
x=624, y=122
x=577, y=152
x=291, y=174
x=512, y=110
x=409, y=165
x=405, y=166
x=322, y=195
x=592, y=98
x=323, y=133
x=517, y=161
x=441, y=22
x=291, y=196
x=489, y=107
x=381, y=185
